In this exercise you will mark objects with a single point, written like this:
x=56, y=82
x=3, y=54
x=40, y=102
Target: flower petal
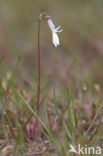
x=57, y=29
x=55, y=39
x=51, y=25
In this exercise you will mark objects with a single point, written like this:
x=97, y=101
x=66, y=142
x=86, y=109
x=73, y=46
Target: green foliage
x=71, y=117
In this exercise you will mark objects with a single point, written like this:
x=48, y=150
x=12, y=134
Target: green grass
x=69, y=124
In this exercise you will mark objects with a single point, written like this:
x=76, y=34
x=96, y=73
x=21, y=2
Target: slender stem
x=38, y=95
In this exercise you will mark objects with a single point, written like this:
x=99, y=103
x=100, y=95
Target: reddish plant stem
x=38, y=95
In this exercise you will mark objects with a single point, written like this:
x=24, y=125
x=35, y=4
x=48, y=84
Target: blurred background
x=80, y=54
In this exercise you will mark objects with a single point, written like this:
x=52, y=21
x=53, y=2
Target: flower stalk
x=55, y=40
x=38, y=94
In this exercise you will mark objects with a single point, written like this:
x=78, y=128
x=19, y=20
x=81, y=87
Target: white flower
x=54, y=31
